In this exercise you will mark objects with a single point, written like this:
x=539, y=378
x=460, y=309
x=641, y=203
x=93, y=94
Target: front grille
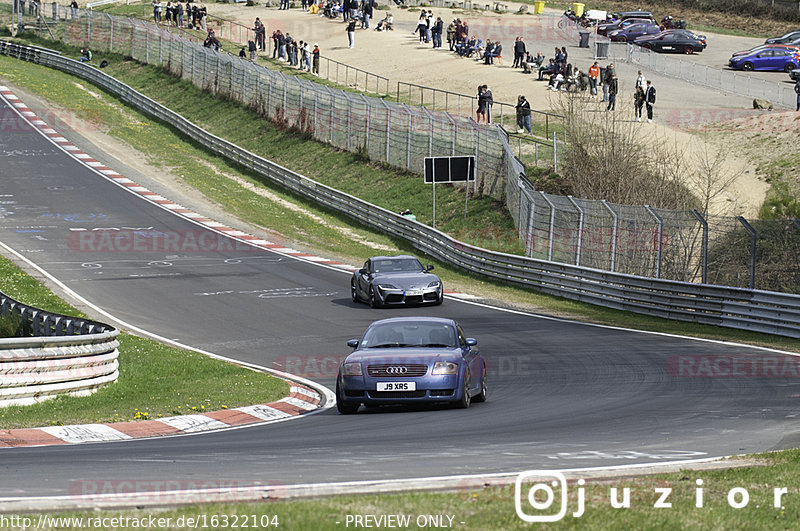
x=394, y=298
x=397, y=394
x=415, y=299
x=412, y=370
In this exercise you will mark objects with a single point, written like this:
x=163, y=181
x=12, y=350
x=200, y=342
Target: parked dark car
x=631, y=32
x=605, y=28
x=784, y=39
x=776, y=58
x=395, y=281
x=677, y=41
x=795, y=74
x=411, y=360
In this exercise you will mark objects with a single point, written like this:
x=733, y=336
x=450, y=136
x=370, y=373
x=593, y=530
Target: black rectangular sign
x=449, y=169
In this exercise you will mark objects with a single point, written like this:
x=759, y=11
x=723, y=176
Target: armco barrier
x=760, y=311
x=66, y=355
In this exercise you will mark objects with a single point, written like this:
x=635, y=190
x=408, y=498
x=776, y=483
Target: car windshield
x=397, y=334
x=397, y=265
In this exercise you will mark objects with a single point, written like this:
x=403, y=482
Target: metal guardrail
x=755, y=310
x=65, y=355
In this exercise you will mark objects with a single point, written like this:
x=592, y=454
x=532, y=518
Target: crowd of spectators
x=174, y=13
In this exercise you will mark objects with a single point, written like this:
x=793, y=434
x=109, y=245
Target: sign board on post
x=440, y=170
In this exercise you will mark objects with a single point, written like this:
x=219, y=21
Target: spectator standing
x=367, y=12
x=487, y=96
x=523, y=115
x=281, y=46
x=251, y=46
x=451, y=35
x=638, y=102
x=307, y=56
x=73, y=9
x=481, y=112
x=519, y=52
x=275, y=43
x=436, y=32
x=650, y=100
x=640, y=81
x=156, y=10
x=613, y=88
x=315, y=62
x=203, y=14
x=351, y=33
x=179, y=14
x=607, y=75
x=594, y=76
x=428, y=26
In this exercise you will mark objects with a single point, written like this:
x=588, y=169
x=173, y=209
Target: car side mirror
x=471, y=341
x=353, y=343
x=362, y=271
x=429, y=267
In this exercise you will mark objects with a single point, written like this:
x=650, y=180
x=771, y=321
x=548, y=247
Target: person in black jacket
x=519, y=53
x=351, y=32
x=436, y=32
x=650, y=100
x=523, y=115
x=613, y=88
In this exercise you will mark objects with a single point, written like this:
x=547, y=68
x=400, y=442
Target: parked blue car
x=630, y=33
x=411, y=360
x=778, y=58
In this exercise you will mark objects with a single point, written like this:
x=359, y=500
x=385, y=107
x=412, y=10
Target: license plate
x=413, y=293
x=397, y=386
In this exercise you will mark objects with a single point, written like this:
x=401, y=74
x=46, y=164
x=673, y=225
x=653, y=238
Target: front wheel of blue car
x=345, y=408
x=353, y=291
x=466, y=399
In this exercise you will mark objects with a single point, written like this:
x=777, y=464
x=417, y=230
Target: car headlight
x=384, y=287
x=434, y=284
x=352, y=369
x=445, y=367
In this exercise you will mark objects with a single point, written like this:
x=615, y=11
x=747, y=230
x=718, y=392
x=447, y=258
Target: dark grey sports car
x=394, y=281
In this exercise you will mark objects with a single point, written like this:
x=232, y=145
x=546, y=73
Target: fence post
x=316, y=106
x=580, y=229
x=333, y=108
x=551, y=232
x=753, y=238
x=453, y=122
x=111, y=33
x=529, y=239
x=147, y=46
x=430, y=136
x=703, y=247
x=658, y=236
x=613, y=235
x=369, y=112
x=349, y=115
x=388, y=127
x=555, y=153
x=410, y=128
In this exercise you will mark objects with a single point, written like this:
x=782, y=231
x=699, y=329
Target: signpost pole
x=466, y=186
x=433, y=185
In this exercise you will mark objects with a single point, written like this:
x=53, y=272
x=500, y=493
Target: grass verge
x=155, y=380
x=493, y=508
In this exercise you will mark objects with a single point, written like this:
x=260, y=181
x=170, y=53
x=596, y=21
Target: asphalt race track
x=562, y=394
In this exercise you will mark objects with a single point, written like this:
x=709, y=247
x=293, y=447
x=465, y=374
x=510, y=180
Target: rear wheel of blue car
x=481, y=397
x=373, y=299
x=345, y=408
x=466, y=399
x=789, y=67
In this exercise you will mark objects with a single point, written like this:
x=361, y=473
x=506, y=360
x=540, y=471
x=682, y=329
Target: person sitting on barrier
x=86, y=55
x=550, y=69
x=497, y=51
x=408, y=214
x=386, y=24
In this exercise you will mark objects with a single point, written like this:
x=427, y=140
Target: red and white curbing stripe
x=300, y=400
x=100, y=168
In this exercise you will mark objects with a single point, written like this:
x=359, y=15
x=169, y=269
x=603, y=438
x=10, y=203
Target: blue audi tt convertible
x=408, y=360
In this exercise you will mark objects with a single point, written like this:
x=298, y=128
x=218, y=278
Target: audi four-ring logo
x=396, y=370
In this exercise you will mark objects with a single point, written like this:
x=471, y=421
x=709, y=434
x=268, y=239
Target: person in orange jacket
x=594, y=75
